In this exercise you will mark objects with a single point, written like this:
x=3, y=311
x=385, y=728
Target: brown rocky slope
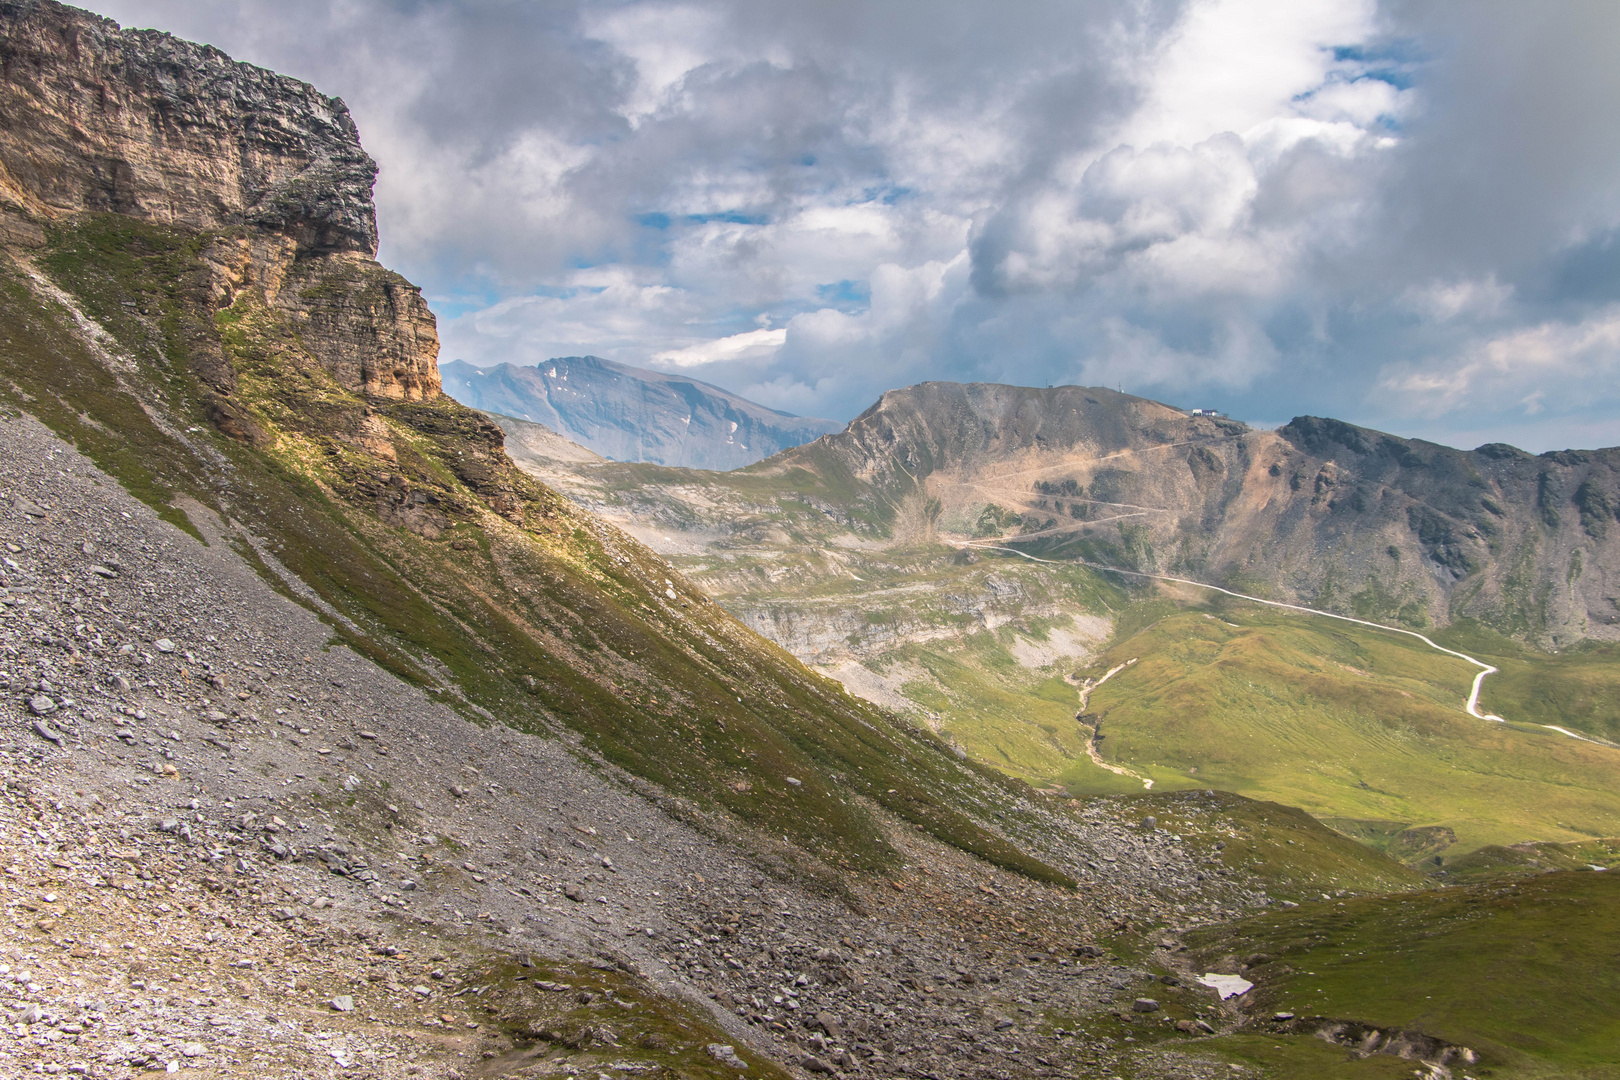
x=1318, y=511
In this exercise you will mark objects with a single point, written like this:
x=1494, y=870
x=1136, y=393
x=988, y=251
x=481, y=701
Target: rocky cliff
x=93, y=117
x=631, y=414
x=137, y=123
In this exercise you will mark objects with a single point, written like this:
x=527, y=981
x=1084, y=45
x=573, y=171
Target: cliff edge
x=97, y=119
x=94, y=117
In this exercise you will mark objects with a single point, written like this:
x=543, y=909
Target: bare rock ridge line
x=1329, y=514
x=627, y=413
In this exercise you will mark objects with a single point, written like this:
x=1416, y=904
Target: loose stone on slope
x=726, y=1055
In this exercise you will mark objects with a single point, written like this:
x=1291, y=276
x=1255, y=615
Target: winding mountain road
x=1471, y=706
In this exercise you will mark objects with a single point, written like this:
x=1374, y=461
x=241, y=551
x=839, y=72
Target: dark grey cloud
x=1403, y=214
x=1514, y=148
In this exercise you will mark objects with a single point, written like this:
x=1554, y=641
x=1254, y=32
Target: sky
x=1404, y=215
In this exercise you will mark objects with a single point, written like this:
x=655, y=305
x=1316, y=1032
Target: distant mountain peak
x=1319, y=511
x=634, y=414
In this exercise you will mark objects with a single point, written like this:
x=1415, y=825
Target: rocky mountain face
x=632, y=414
x=270, y=171
x=891, y=558
x=137, y=122
x=1317, y=512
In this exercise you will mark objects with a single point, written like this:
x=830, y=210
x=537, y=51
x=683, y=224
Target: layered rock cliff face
x=93, y=117
x=136, y=122
x=367, y=326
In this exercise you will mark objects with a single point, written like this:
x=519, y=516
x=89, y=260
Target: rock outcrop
x=632, y=414
x=367, y=326
x=93, y=117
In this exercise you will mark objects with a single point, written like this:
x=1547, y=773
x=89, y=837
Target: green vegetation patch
x=1297, y=857
x=1522, y=973
x=1350, y=723
x=1576, y=687
x=550, y=1018
x=1494, y=861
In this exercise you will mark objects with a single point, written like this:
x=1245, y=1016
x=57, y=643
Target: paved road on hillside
x=1471, y=706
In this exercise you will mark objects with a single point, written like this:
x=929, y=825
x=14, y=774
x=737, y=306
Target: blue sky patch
x=845, y=292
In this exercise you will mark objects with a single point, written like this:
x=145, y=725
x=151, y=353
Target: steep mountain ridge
x=632, y=414
x=1318, y=511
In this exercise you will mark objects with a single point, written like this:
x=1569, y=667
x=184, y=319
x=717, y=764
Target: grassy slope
x=537, y=614
x=1347, y=723
x=1521, y=860
x=1523, y=973
x=1298, y=859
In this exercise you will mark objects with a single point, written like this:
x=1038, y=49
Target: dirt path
x=1085, y=687
x=1471, y=706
